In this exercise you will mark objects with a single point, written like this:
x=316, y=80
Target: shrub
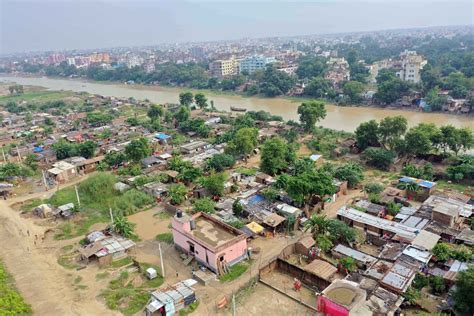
x=205, y=205
x=378, y=158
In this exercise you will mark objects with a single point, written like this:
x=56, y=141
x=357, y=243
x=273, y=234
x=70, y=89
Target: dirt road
x=41, y=280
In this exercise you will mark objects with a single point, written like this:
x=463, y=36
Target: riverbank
x=338, y=117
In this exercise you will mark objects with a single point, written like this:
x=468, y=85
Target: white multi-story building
x=134, y=60
x=253, y=63
x=71, y=61
x=408, y=66
x=411, y=66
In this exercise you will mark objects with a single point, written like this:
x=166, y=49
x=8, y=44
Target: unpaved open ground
x=44, y=284
x=47, y=286
x=263, y=300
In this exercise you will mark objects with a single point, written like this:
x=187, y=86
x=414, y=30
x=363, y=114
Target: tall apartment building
x=411, y=66
x=100, y=58
x=256, y=62
x=408, y=66
x=224, y=67
x=134, y=60
x=56, y=58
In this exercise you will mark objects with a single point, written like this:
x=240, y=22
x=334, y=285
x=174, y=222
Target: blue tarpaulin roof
x=38, y=149
x=420, y=182
x=162, y=136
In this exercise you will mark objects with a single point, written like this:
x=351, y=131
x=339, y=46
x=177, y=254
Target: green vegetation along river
x=340, y=118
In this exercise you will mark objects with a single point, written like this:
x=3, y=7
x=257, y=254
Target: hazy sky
x=29, y=25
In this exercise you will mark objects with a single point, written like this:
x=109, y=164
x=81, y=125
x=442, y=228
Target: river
x=338, y=117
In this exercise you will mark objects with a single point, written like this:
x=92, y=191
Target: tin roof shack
x=193, y=147
x=342, y=298
x=156, y=189
x=425, y=188
x=106, y=250
x=466, y=237
x=391, y=194
x=362, y=260
x=447, y=211
x=456, y=267
x=171, y=299
x=399, y=277
x=62, y=172
x=371, y=208
x=5, y=189
x=425, y=240
x=88, y=165
x=378, y=230
x=212, y=242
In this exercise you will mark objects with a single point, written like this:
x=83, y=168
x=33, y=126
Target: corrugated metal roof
x=357, y=255
x=417, y=254
x=394, y=227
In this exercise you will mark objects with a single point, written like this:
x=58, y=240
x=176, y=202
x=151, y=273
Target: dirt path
x=330, y=209
x=41, y=280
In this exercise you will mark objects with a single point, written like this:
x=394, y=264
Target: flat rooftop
x=394, y=227
x=212, y=233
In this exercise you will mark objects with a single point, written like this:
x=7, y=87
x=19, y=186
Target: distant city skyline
x=28, y=26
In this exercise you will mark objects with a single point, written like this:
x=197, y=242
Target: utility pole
x=233, y=304
x=19, y=154
x=161, y=260
x=3, y=153
x=44, y=180
x=111, y=216
x=77, y=195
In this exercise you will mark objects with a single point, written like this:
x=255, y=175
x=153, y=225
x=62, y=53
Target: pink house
x=342, y=298
x=212, y=242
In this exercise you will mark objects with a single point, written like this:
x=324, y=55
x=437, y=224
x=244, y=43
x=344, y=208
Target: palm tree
x=411, y=187
x=317, y=224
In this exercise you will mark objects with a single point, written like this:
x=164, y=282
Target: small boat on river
x=236, y=109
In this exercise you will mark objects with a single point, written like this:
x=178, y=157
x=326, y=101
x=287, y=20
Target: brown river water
x=340, y=118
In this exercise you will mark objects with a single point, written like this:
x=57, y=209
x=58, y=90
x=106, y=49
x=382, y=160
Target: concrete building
x=256, y=62
x=133, y=61
x=408, y=66
x=210, y=241
x=411, y=66
x=343, y=298
x=224, y=67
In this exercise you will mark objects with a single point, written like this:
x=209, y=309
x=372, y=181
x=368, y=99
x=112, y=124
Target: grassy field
x=97, y=195
x=165, y=237
x=123, y=296
x=37, y=96
x=235, y=271
x=11, y=302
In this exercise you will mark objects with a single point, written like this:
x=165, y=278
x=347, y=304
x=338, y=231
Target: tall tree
x=201, y=100
x=186, y=98
x=350, y=172
x=214, y=183
x=155, y=111
x=138, y=149
x=311, y=113
x=275, y=156
x=391, y=129
x=244, y=142
x=463, y=298
x=367, y=134
x=353, y=89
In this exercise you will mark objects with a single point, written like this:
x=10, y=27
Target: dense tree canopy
x=311, y=113
x=276, y=156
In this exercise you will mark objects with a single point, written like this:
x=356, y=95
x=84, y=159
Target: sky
x=40, y=25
